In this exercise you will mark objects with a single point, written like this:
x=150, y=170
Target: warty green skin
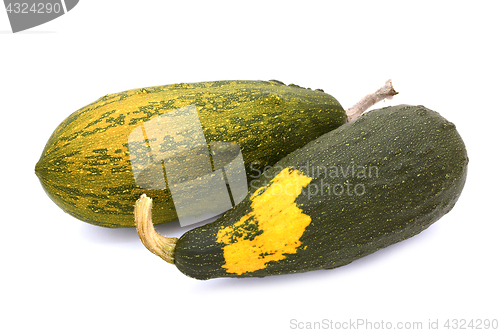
x=85, y=167
x=421, y=164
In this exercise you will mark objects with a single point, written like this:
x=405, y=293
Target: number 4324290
x=463, y=324
x=36, y=8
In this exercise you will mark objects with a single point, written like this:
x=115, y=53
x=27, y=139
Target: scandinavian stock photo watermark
x=27, y=14
x=333, y=180
x=205, y=179
x=395, y=325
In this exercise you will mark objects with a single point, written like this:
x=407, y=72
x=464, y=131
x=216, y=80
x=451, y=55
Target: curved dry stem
x=160, y=245
x=387, y=91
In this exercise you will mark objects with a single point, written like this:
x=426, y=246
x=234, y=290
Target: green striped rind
x=418, y=169
x=85, y=166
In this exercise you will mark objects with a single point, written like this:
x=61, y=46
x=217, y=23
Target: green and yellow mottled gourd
x=85, y=167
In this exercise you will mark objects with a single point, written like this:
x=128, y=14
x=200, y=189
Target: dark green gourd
x=361, y=187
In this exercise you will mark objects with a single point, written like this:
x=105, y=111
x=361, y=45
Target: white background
x=58, y=274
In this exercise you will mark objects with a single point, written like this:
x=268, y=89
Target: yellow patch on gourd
x=276, y=220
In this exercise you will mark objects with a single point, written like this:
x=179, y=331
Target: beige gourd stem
x=160, y=245
x=385, y=92
x=164, y=246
